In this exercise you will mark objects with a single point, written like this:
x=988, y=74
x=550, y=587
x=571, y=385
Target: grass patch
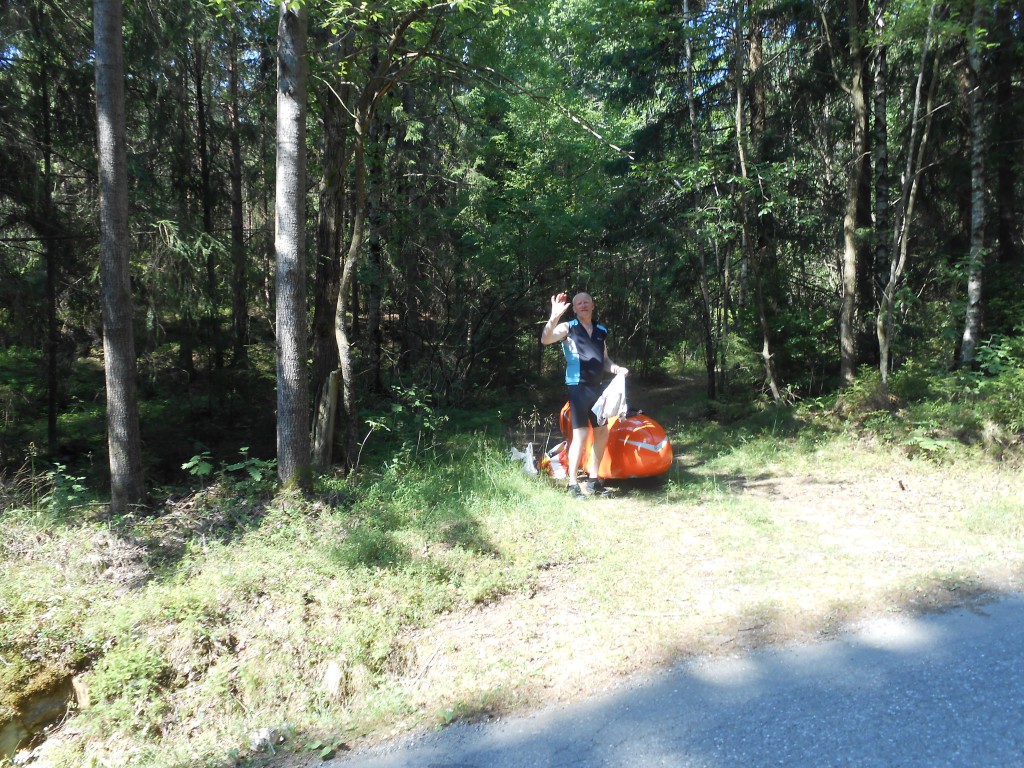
x=440, y=582
x=998, y=517
x=193, y=635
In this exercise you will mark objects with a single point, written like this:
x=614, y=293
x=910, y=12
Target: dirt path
x=796, y=551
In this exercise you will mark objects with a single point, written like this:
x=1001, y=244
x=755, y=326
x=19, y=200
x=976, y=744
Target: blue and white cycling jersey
x=584, y=354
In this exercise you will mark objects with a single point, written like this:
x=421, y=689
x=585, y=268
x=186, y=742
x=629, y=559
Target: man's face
x=582, y=303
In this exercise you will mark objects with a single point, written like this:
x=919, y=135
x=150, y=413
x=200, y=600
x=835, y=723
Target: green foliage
x=1001, y=353
x=175, y=270
x=325, y=749
x=46, y=491
x=64, y=491
x=941, y=414
x=248, y=477
x=410, y=423
x=20, y=403
x=744, y=367
x=199, y=465
x=804, y=341
x=864, y=393
x=921, y=438
x=912, y=381
x=1001, y=393
x=131, y=671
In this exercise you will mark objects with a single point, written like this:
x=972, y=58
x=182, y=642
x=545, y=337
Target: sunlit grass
x=245, y=622
x=441, y=581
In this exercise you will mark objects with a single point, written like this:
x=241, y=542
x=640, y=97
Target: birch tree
x=752, y=251
x=858, y=100
x=978, y=126
x=920, y=130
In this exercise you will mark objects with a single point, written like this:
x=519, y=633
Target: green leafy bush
x=912, y=381
x=863, y=395
x=132, y=671
x=1003, y=399
x=246, y=477
x=409, y=424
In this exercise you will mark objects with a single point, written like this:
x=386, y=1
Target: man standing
x=585, y=363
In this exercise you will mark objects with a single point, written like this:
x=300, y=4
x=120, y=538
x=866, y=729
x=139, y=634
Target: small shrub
x=1003, y=398
x=248, y=477
x=999, y=354
x=863, y=396
x=44, y=489
x=883, y=423
x=912, y=382
x=744, y=367
x=131, y=671
x=410, y=424
x=65, y=491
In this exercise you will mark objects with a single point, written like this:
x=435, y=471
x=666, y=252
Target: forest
x=272, y=284
x=318, y=208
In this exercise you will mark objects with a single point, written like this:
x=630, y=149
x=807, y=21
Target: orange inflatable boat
x=637, y=446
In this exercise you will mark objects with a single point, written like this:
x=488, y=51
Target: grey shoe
x=595, y=487
x=574, y=491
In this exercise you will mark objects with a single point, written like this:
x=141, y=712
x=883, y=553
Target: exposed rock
x=43, y=703
x=265, y=739
x=334, y=680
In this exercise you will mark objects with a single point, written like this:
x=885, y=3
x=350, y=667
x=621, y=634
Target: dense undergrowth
x=223, y=614
x=229, y=610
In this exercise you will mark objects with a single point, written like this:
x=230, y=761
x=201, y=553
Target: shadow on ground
x=915, y=689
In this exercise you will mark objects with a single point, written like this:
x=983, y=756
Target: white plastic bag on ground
x=529, y=465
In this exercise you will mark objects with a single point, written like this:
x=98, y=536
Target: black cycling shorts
x=582, y=398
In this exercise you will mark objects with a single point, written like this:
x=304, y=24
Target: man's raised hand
x=559, y=304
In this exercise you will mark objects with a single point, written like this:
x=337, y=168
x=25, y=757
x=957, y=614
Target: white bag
x=612, y=401
x=529, y=465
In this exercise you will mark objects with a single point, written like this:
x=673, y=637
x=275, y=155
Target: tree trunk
x=979, y=140
x=374, y=270
x=707, y=323
x=866, y=285
x=40, y=29
x=348, y=394
x=752, y=255
x=182, y=183
x=848, y=311
x=705, y=291
x=202, y=130
x=330, y=233
x=293, y=453
x=123, y=440
x=381, y=79
x=408, y=248
x=725, y=269
x=206, y=194
x=880, y=87
x=915, y=153
x=1006, y=129
x=265, y=292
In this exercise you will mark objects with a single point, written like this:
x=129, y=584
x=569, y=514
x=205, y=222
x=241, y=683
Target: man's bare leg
x=596, y=455
x=579, y=438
